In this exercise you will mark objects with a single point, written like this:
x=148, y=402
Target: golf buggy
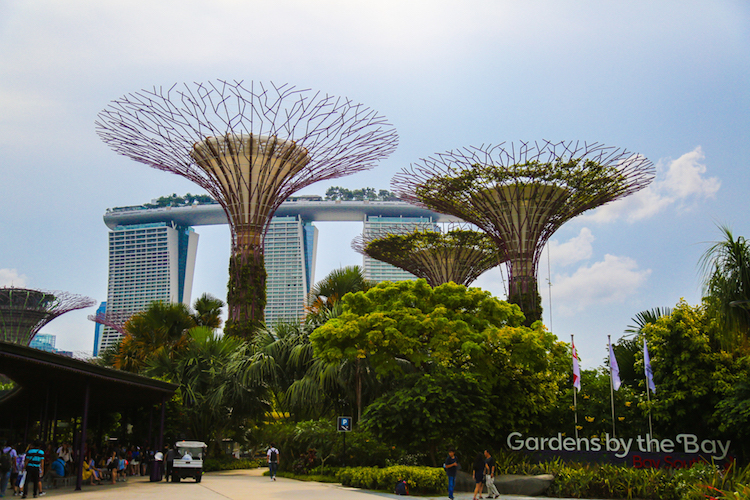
x=188, y=461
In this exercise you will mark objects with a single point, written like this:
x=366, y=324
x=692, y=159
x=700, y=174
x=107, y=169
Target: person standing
x=7, y=465
x=273, y=460
x=478, y=469
x=489, y=475
x=34, y=468
x=451, y=468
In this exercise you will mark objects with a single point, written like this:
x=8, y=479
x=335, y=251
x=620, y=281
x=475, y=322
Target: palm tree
x=210, y=372
x=208, y=311
x=327, y=292
x=725, y=267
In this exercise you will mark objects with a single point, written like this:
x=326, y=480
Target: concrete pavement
x=234, y=485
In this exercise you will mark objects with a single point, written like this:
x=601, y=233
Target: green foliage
x=726, y=285
x=411, y=321
x=429, y=412
x=211, y=464
x=689, y=372
x=422, y=480
x=178, y=201
x=246, y=293
x=339, y=193
x=209, y=372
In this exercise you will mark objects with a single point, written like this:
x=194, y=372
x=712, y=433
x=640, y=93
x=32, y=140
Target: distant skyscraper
x=152, y=252
x=147, y=263
x=290, y=264
x=44, y=342
x=98, y=328
x=378, y=271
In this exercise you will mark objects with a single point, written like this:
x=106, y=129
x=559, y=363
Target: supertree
x=459, y=255
x=23, y=312
x=250, y=146
x=521, y=194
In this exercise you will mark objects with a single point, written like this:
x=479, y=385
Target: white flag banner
x=647, y=368
x=614, y=370
x=576, y=370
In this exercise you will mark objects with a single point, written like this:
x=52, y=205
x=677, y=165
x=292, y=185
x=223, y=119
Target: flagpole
x=575, y=402
x=611, y=386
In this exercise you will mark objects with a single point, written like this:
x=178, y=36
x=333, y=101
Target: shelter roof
x=55, y=385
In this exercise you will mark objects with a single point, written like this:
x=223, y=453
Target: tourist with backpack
x=7, y=461
x=273, y=460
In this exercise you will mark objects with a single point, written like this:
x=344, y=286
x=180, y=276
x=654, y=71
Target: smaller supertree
x=521, y=194
x=458, y=255
x=23, y=312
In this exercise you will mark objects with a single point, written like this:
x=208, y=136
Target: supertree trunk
x=246, y=292
x=522, y=290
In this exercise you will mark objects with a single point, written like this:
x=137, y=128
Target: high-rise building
x=98, y=328
x=290, y=249
x=152, y=252
x=376, y=270
x=44, y=342
x=147, y=263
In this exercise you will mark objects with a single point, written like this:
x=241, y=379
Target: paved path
x=234, y=485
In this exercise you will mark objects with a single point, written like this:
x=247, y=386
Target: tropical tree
x=396, y=329
x=216, y=397
x=725, y=267
x=162, y=327
x=325, y=294
x=208, y=311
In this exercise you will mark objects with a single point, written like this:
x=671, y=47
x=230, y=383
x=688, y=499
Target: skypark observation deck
x=152, y=251
x=306, y=210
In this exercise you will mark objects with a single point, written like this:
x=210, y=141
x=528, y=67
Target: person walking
x=489, y=475
x=451, y=468
x=478, y=469
x=34, y=468
x=273, y=460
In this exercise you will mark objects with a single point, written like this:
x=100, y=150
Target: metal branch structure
x=459, y=255
x=114, y=320
x=250, y=146
x=520, y=194
x=23, y=311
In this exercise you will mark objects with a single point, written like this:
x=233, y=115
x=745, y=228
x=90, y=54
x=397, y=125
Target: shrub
x=422, y=480
x=229, y=463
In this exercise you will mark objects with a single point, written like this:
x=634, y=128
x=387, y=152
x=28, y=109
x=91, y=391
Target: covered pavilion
x=50, y=387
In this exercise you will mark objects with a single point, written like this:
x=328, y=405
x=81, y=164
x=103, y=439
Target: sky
x=669, y=80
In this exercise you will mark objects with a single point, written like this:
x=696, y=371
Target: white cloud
x=10, y=277
x=574, y=250
x=612, y=280
x=677, y=183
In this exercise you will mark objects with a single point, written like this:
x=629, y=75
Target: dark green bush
x=229, y=463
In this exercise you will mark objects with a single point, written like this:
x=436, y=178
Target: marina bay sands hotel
x=152, y=252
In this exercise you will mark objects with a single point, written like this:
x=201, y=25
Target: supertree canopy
x=23, y=312
x=521, y=194
x=250, y=146
x=459, y=255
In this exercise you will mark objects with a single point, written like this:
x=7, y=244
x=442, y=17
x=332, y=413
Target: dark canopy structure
x=23, y=311
x=250, y=146
x=49, y=387
x=458, y=255
x=520, y=194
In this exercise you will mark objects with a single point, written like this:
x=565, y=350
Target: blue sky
x=669, y=80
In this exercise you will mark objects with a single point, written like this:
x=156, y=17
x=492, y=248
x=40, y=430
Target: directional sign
x=344, y=424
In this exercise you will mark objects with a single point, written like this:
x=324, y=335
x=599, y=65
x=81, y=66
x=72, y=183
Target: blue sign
x=344, y=424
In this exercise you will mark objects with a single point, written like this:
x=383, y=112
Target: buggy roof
x=190, y=444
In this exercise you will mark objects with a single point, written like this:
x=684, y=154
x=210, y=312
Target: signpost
x=344, y=425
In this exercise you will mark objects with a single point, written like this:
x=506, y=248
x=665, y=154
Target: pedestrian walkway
x=234, y=485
